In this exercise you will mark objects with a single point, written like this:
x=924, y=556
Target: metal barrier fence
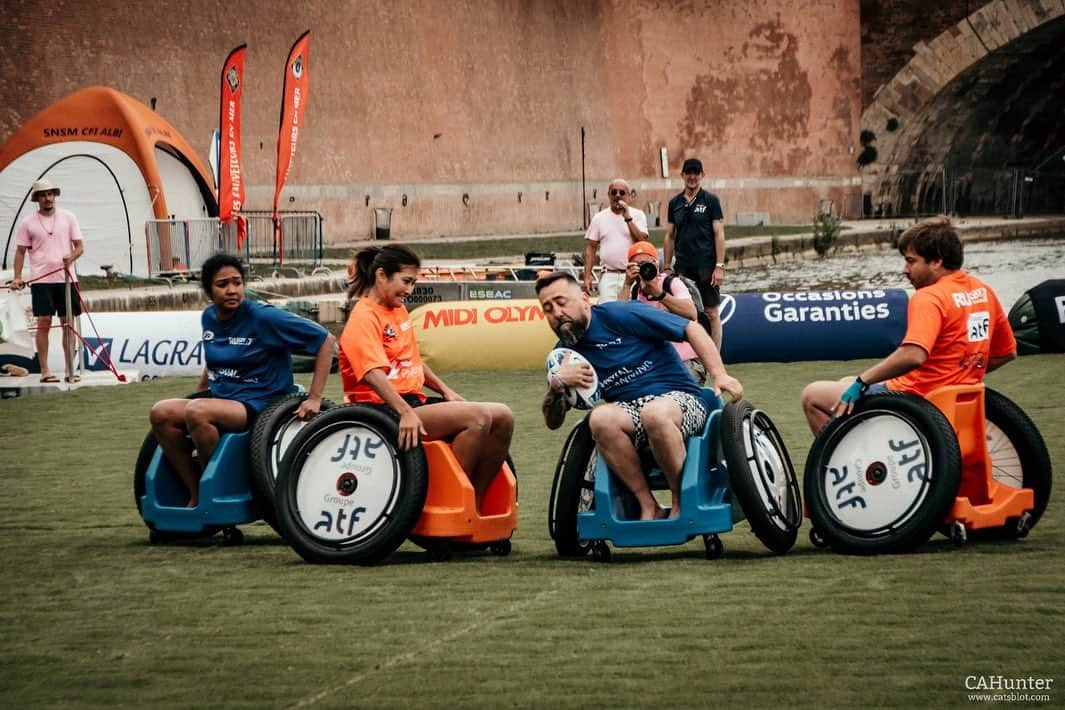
x=177, y=247
x=1010, y=192
x=301, y=237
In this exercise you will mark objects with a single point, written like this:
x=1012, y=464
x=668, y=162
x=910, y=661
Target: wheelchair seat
x=704, y=490
x=981, y=502
x=225, y=493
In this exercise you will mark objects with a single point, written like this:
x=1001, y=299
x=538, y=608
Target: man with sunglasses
x=611, y=233
x=696, y=235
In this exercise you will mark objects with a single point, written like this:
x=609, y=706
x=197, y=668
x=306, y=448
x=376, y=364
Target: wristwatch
x=720, y=265
x=628, y=219
x=659, y=297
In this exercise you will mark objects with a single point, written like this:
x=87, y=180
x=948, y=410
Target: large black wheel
x=761, y=475
x=346, y=494
x=275, y=428
x=883, y=478
x=572, y=490
x=1019, y=456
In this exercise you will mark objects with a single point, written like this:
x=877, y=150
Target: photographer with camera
x=644, y=282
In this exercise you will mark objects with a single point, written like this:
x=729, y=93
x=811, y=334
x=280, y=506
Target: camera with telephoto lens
x=648, y=271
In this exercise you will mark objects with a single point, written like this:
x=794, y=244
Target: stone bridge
x=974, y=122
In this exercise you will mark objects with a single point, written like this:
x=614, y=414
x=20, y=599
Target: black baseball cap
x=692, y=165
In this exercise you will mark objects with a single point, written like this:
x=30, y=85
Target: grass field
x=92, y=615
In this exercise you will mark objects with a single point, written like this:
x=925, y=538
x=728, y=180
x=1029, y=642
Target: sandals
x=50, y=379
x=74, y=378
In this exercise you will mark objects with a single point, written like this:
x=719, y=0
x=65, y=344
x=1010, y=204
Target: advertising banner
x=812, y=325
x=159, y=344
x=758, y=327
x=293, y=105
x=230, y=177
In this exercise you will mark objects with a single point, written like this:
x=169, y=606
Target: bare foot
x=193, y=502
x=657, y=514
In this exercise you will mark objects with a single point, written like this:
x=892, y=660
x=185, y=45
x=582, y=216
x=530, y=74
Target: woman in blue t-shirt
x=247, y=362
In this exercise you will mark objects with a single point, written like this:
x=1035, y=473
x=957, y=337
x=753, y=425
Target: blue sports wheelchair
x=237, y=486
x=739, y=451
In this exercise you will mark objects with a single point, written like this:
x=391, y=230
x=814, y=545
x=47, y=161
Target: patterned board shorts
x=692, y=408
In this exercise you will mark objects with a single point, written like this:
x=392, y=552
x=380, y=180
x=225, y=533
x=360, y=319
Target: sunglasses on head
x=618, y=193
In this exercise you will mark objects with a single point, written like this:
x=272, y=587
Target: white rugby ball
x=577, y=397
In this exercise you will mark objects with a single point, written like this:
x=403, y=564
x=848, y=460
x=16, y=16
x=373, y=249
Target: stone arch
x=973, y=116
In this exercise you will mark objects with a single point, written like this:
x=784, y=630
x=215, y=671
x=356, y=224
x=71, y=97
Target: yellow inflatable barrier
x=483, y=335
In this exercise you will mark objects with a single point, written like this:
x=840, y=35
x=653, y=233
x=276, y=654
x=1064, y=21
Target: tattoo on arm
x=554, y=408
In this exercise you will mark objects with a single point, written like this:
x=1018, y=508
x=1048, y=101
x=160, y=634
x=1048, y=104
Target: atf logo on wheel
x=348, y=485
x=877, y=475
x=345, y=493
x=883, y=478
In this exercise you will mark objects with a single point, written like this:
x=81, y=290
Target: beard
x=570, y=332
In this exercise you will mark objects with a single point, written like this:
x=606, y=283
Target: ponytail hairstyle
x=366, y=262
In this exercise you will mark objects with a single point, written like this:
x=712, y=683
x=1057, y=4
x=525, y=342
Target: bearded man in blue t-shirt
x=650, y=396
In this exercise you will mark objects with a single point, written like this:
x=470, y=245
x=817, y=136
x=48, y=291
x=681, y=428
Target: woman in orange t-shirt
x=380, y=364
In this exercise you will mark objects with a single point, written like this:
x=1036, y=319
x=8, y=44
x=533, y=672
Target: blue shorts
x=249, y=410
x=875, y=388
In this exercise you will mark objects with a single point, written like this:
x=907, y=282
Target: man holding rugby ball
x=650, y=397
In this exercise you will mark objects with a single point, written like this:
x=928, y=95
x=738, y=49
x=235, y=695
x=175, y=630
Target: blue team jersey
x=629, y=345
x=248, y=356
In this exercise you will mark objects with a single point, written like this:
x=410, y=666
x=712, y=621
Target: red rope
x=101, y=353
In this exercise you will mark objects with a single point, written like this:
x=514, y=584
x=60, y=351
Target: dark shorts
x=702, y=277
x=411, y=399
x=249, y=411
x=51, y=300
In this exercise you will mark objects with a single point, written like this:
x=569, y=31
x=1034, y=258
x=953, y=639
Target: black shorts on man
x=51, y=300
x=703, y=278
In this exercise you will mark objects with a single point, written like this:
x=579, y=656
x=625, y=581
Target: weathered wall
x=973, y=122
x=486, y=99
x=891, y=28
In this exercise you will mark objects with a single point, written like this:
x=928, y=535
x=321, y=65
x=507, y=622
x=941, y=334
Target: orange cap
x=643, y=247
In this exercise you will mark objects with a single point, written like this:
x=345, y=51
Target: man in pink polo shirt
x=611, y=232
x=53, y=239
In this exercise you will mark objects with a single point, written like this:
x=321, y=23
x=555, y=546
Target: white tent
x=117, y=164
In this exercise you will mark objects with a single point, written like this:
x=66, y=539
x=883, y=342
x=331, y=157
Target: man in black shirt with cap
x=696, y=236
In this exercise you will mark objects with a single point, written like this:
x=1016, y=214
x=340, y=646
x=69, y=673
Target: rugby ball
x=576, y=397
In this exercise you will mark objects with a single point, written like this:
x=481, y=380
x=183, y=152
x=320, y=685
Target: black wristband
x=628, y=219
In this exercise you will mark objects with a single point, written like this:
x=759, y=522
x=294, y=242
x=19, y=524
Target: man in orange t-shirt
x=956, y=330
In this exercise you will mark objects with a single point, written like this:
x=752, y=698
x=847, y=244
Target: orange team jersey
x=959, y=322
x=376, y=337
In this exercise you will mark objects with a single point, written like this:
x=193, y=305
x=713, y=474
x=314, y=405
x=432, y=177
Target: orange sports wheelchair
x=966, y=461
x=347, y=494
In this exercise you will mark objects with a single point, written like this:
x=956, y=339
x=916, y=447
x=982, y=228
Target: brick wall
x=485, y=99
x=890, y=29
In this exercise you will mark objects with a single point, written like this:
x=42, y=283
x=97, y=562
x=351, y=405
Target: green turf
x=91, y=615
x=561, y=244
